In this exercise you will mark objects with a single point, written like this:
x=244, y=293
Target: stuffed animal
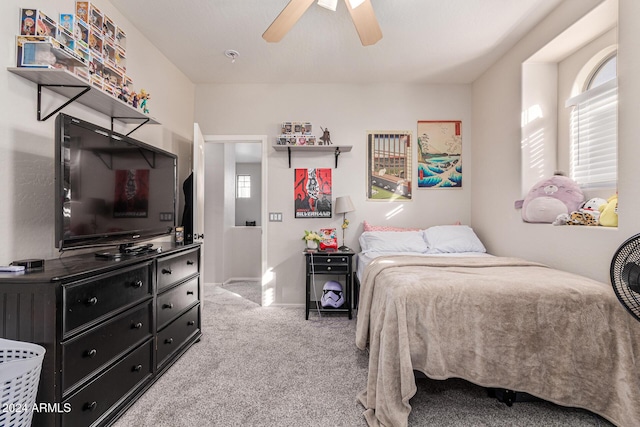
x=551, y=197
x=609, y=212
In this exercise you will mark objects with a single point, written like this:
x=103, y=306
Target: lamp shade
x=328, y=4
x=344, y=205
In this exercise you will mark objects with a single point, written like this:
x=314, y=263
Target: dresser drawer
x=171, y=338
x=93, y=349
x=174, y=301
x=94, y=400
x=173, y=269
x=323, y=264
x=87, y=302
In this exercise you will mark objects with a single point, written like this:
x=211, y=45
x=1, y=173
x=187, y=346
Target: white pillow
x=452, y=239
x=384, y=241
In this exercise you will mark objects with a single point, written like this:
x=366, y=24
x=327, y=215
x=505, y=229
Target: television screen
x=110, y=189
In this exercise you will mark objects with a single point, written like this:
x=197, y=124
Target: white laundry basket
x=20, y=365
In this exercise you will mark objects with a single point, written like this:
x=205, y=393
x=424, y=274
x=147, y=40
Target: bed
x=494, y=321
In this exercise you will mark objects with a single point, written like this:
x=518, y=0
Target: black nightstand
x=335, y=263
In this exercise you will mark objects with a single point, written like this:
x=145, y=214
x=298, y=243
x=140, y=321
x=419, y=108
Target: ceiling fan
x=361, y=12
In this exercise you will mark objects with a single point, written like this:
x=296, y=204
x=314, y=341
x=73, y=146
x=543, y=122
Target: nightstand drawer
x=87, y=302
x=337, y=268
x=176, y=268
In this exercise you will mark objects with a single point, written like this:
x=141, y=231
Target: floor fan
x=625, y=275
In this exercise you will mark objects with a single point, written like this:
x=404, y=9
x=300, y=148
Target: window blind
x=594, y=136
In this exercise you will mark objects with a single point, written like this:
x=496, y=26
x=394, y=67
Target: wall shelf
x=73, y=87
x=336, y=149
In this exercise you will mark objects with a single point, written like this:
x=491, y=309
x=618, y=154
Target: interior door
x=198, y=190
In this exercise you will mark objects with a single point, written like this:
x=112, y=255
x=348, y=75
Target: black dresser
x=110, y=328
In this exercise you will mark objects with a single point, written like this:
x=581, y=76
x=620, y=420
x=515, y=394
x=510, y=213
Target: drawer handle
x=167, y=306
x=328, y=260
x=328, y=268
x=136, y=368
x=137, y=284
x=166, y=271
x=91, y=353
x=92, y=301
x=191, y=323
x=168, y=341
x=137, y=325
x=90, y=406
x=189, y=292
x=190, y=262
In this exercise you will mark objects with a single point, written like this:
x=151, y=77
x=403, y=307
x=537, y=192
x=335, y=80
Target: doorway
x=228, y=243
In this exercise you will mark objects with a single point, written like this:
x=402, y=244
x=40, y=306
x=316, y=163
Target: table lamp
x=344, y=205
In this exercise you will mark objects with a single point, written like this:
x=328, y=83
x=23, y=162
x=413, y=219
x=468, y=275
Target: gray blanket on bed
x=497, y=322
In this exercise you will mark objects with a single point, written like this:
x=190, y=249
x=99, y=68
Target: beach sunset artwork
x=440, y=154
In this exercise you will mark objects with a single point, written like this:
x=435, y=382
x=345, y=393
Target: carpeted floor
x=267, y=366
x=246, y=289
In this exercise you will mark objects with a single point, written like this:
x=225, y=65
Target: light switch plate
x=275, y=216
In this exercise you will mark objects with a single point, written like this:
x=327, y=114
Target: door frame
x=263, y=139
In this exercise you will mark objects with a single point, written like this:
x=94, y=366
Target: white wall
x=496, y=130
x=27, y=145
x=348, y=111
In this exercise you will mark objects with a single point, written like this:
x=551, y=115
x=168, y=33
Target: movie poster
x=312, y=193
x=131, y=194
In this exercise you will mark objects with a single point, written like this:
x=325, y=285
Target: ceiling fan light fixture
x=355, y=3
x=328, y=4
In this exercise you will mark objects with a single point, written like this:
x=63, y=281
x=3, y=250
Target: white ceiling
x=424, y=41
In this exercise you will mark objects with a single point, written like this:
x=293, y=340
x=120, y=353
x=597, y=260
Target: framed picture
x=389, y=165
x=312, y=193
x=131, y=194
x=440, y=154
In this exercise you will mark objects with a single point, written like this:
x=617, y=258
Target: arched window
x=594, y=128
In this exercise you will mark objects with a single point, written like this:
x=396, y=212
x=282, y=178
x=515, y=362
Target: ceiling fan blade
x=287, y=19
x=366, y=23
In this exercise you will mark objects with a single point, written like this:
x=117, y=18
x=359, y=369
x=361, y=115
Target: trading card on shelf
x=286, y=128
x=311, y=140
x=96, y=18
x=34, y=22
x=302, y=140
x=307, y=128
x=281, y=140
x=96, y=67
x=109, y=53
x=67, y=21
x=83, y=52
x=81, y=33
x=121, y=59
x=96, y=81
x=297, y=127
x=121, y=38
x=292, y=140
x=95, y=42
x=82, y=10
x=46, y=26
x=65, y=37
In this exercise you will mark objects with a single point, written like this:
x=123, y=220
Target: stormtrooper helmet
x=332, y=294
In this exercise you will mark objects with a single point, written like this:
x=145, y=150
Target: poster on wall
x=131, y=193
x=389, y=165
x=312, y=193
x=440, y=154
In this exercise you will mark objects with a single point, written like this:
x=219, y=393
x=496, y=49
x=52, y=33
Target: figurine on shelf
x=134, y=100
x=326, y=137
x=144, y=97
x=125, y=93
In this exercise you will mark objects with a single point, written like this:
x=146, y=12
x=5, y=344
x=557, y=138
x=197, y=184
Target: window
x=593, y=128
x=243, y=186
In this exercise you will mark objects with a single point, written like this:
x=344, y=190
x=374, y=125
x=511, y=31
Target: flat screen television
x=111, y=190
